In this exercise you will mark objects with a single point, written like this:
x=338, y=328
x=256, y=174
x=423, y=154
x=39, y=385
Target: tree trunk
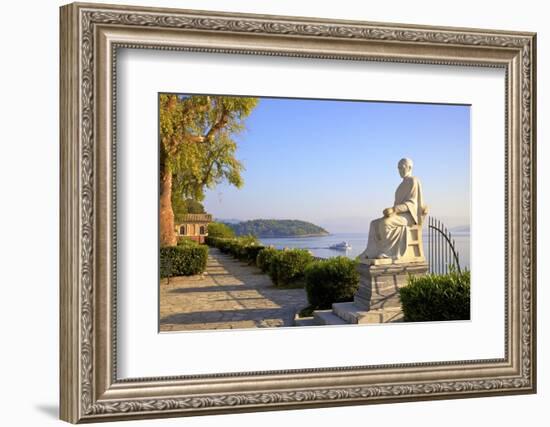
x=166, y=214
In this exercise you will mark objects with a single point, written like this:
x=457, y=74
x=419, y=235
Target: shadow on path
x=258, y=316
x=230, y=294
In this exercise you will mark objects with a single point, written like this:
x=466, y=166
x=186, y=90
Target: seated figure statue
x=392, y=236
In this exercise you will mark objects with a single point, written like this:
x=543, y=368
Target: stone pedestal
x=377, y=299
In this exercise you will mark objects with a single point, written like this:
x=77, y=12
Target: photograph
x=289, y=212
x=265, y=212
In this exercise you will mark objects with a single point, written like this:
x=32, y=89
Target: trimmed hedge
x=287, y=267
x=250, y=253
x=185, y=259
x=436, y=297
x=265, y=257
x=216, y=242
x=331, y=280
x=245, y=248
x=183, y=241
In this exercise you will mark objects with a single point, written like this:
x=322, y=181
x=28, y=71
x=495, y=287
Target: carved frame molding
x=90, y=37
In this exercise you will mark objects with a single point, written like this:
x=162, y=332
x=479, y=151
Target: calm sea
x=319, y=245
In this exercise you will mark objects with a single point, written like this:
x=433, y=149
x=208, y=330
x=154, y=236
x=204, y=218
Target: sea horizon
x=320, y=245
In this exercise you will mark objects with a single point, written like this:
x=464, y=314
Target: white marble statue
x=390, y=235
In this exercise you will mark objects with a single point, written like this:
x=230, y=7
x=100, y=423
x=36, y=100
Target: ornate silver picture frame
x=91, y=35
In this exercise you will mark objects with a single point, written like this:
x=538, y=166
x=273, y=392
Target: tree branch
x=194, y=138
x=218, y=125
x=211, y=161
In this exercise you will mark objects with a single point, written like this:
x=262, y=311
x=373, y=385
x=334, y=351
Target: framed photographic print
x=266, y=212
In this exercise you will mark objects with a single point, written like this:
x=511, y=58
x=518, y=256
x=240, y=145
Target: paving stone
x=229, y=295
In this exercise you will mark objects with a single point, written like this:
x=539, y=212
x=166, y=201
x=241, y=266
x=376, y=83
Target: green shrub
x=247, y=239
x=273, y=269
x=436, y=297
x=217, y=242
x=186, y=242
x=165, y=267
x=250, y=253
x=211, y=241
x=331, y=280
x=237, y=249
x=288, y=266
x=219, y=229
x=224, y=245
x=244, y=248
x=265, y=257
x=232, y=247
x=183, y=260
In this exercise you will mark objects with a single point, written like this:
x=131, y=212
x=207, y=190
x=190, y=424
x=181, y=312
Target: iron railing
x=440, y=248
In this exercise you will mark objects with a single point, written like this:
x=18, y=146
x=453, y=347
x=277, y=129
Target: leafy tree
x=194, y=207
x=219, y=229
x=197, y=149
x=181, y=207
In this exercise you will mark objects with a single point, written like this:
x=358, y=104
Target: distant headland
x=276, y=228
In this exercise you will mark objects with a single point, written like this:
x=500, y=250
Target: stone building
x=193, y=227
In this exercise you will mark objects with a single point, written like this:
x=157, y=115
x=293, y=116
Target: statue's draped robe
x=388, y=236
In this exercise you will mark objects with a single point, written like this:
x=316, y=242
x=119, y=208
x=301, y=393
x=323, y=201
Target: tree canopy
x=197, y=149
x=197, y=140
x=182, y=206
x=218, y=229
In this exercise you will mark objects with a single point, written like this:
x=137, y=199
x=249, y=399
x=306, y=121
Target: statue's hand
x=388, y=212
x=425, y=210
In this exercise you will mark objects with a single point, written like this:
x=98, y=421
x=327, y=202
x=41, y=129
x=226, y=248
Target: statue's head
x=405, y=167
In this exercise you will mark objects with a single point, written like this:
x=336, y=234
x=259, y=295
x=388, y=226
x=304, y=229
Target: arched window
x=202, y=230
x=182, y=230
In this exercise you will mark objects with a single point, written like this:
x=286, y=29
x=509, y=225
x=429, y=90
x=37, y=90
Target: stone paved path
x=229, y=295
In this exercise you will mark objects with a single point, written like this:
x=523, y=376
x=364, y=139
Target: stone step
x=357, y=314
x=378, y=301
x=304, y=321
x=327, y=317
x=351, y=312
x=385, y=315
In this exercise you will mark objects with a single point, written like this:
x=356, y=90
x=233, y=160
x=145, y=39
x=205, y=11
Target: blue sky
x=334, y=163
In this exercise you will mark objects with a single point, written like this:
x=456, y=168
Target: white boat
x=342, y=246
